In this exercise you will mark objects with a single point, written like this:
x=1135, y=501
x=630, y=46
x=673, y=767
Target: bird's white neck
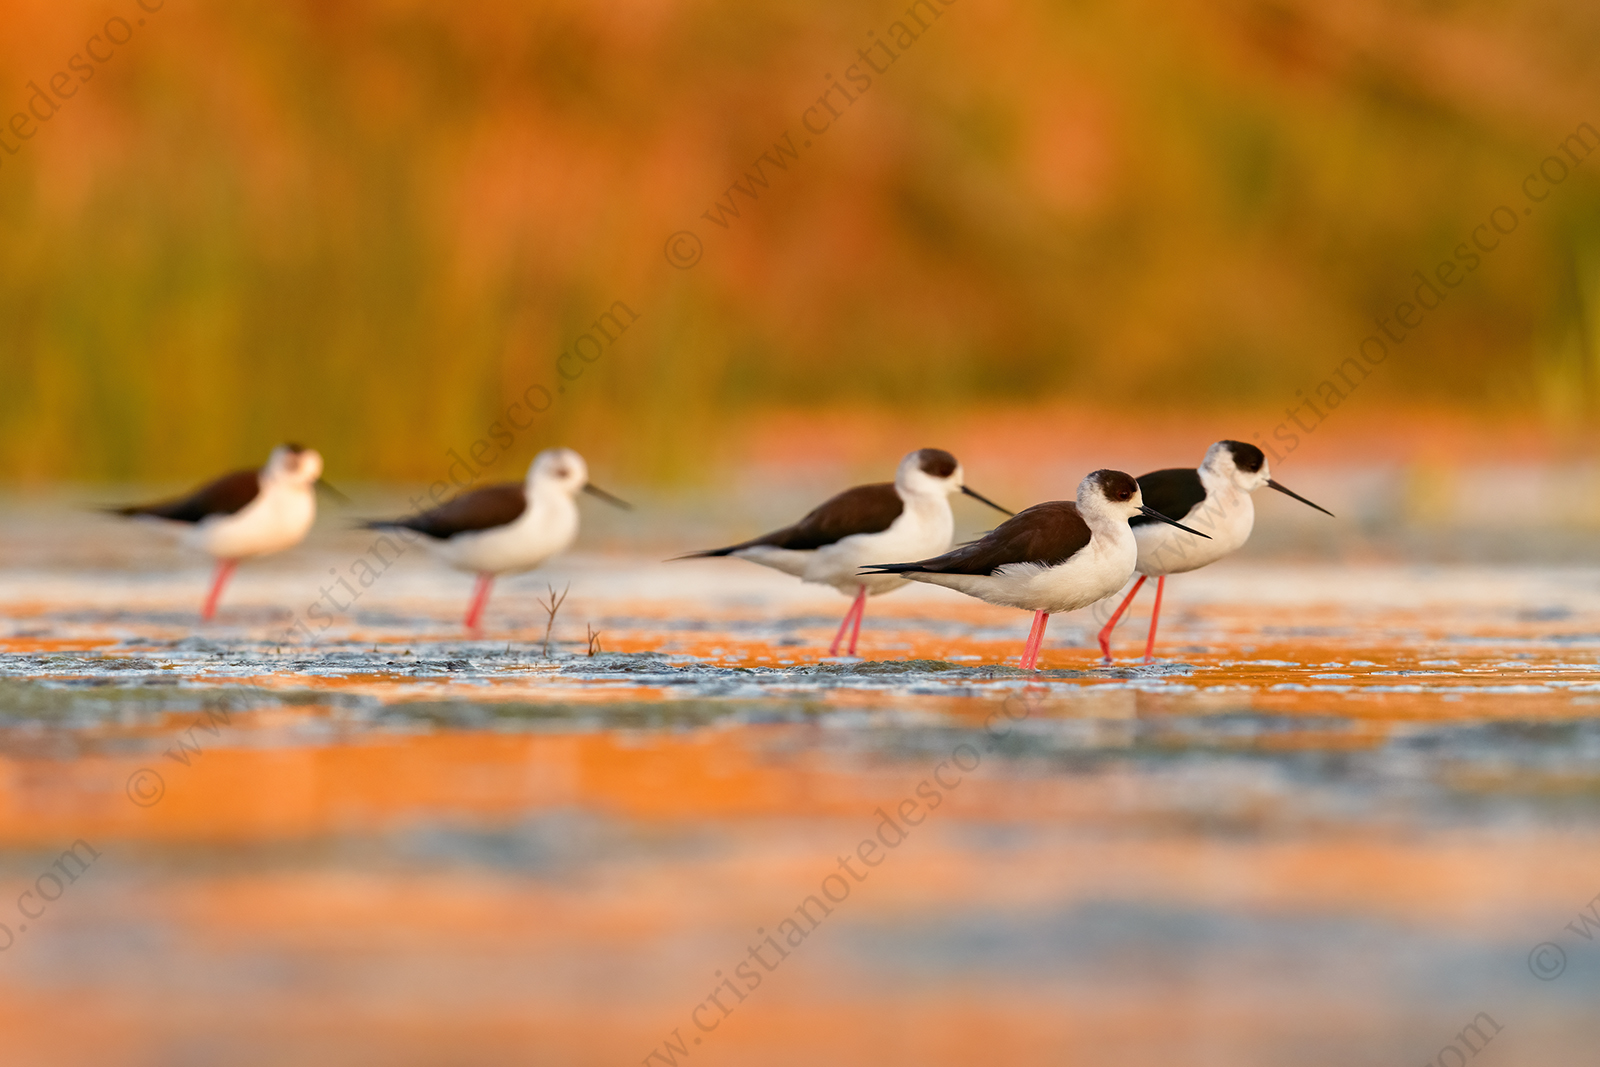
x=1101, y=517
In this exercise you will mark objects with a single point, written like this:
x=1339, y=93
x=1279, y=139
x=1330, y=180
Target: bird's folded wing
x=1174, y=493
x=225, y=496
x=1046, y=534
x=863, y=510
x=481, y=509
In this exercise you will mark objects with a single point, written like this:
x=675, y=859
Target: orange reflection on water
x=195, y=929
x=1233, y=862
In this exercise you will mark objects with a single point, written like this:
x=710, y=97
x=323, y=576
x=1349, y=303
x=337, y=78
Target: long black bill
x=595, y=490
x=331, y=491
x=974, y=494
x=1152, y=513
x=1289, y=492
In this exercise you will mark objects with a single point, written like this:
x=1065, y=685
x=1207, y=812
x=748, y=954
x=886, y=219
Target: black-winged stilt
x=1056, y=556
x=510, y=527
x=1214, y=497
x=868, y=524
x=246, y=513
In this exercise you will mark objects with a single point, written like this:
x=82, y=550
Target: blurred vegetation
x=370, y=225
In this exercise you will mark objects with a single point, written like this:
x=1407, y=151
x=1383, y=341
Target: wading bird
x=1215, y=498
x=1056, y=556
x=507, y=528
x=246, y=513
x=868, y=524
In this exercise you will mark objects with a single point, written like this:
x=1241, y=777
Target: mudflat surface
x=1350, y=807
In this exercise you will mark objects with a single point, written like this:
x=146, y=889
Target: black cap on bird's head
x=1246, y=457
x=293, y=463
x=936, y=462
x=1115, y=485
x=1246, y=466
x=933, y=470
x=1238, y=462
x=1118, y=493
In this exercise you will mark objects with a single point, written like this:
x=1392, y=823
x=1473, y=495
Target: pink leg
x=480, y=597
x=853, y=615
x=1105, y=634
x=224, y=570
x=1155, y=616
x=861, y=613
x=1030, y=651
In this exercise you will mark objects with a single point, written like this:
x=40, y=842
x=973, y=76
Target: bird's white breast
x=278, y=518
x=1226, y=514
x=1094, y=572
x=924, y=528
x=548, y=526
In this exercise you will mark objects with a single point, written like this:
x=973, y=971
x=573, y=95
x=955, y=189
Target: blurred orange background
x=371, y=225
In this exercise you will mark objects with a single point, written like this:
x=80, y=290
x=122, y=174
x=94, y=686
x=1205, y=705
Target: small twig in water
x=594, y=639
x=551, y=608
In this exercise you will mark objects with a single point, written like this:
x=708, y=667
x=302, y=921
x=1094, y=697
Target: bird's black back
x=862, y=510
x=481, y=509
x=1174, y=493
x=225, y=496
x=1047, y=534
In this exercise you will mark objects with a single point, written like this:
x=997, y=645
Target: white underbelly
x=909, y=539
x=836, y=569
x=504, y=550
x=1166, y=549
x=912, y=537
x=1093, y=574
x=271, y=523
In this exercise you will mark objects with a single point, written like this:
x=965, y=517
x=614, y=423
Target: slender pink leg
x=224, y=570
x=1030, y=651
x=1105, y=634
x=480, y=597
x=861, y=613
x=1038, y=642
x=1155, y=616
x=857, y=606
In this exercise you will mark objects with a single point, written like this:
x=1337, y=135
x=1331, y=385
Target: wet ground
x=1351, y=807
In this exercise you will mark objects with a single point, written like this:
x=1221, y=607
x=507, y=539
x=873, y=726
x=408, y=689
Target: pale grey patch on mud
x=70, y=702
x=561, y=845
x=620, y=714
x=74, y=691
x=193, y=662
x=660, y=670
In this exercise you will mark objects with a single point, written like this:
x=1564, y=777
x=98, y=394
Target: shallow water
x=1333, y=824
